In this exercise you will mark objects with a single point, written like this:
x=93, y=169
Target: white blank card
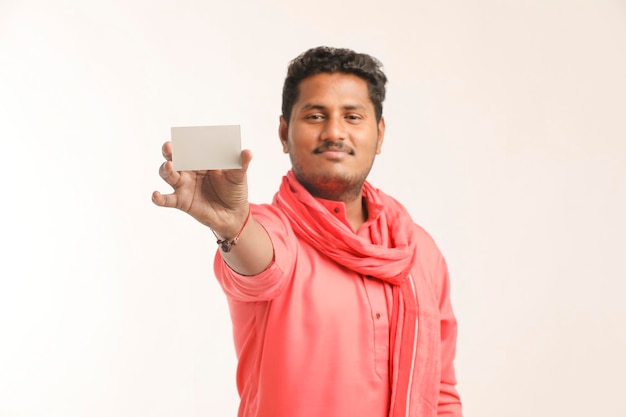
x=197, y=148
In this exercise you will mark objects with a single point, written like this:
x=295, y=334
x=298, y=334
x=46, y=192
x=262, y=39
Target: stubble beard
x=332, y=186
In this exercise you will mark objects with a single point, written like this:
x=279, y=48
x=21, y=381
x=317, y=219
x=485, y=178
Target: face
x=332, y=137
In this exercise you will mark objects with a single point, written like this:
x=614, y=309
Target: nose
x=333, y=130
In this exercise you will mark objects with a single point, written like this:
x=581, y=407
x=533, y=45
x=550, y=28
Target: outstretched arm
x=219, y=200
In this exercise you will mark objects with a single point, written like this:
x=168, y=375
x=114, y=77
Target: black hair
x=324, y=59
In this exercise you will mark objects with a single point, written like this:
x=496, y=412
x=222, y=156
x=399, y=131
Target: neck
x=356, y=212
x=349, y=192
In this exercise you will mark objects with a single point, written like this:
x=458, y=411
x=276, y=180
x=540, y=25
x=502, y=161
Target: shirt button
x=336, y=210
x=368, y=276
x=377, y=316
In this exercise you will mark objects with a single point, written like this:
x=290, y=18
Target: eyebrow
x=314, y=106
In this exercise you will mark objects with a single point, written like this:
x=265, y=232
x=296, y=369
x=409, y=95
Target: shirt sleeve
x=271, y=282
x=449, y=402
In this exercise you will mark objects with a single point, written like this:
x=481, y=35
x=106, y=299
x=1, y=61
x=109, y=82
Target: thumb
x=246, y=157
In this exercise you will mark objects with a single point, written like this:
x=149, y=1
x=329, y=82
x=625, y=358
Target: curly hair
x=324, y=59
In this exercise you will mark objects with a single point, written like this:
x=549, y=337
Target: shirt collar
x=338, y=208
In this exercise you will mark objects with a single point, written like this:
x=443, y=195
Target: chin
x=332, y=185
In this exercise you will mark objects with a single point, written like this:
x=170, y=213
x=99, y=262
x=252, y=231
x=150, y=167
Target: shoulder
x=430, y=263
x=277, y=226
x=270, y=216
x=426, y=245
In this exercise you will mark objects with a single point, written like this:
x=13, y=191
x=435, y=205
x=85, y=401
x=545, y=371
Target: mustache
x=334, y=146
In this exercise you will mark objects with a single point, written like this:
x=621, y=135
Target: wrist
x=224, y=241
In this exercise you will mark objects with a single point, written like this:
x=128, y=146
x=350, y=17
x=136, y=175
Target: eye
x=353, y=117
x=315, y=117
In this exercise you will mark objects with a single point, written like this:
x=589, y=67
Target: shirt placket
x=378, y=300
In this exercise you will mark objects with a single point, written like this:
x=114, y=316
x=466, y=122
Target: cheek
x=298, y=139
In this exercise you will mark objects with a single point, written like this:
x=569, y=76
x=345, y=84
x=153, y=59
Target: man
x=339, y=302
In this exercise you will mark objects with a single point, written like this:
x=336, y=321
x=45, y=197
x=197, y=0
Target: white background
x=506, y=140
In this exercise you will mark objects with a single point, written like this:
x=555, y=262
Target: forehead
x=327, y=89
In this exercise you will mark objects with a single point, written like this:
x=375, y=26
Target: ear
x=381, y=135
x=283, y=133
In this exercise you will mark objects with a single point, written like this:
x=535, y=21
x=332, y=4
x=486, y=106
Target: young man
x=339, y=302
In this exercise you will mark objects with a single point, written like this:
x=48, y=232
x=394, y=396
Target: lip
x=334, y=154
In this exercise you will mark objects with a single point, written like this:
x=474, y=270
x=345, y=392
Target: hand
x=216, y=198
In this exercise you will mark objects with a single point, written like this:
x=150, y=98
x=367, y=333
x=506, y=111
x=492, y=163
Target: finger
x=166, y=171
x=246, y=157
x=164, y=200
x=166, y=150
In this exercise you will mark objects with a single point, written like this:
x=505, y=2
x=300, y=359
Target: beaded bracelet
x=227, y=245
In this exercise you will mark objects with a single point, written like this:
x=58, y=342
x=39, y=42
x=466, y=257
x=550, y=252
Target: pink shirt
x=312, y=337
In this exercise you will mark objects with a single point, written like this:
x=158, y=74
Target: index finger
x=166, y=150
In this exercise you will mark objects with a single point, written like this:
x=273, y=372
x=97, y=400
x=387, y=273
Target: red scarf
x=389, y=256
